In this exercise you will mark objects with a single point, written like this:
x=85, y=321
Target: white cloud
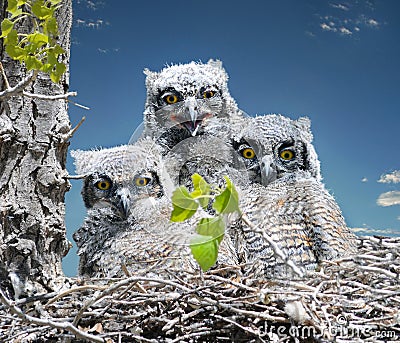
x=345, y=31
x=390, y=177
x=92, y=24
x=364, y=179
x=389, y=199
x=327, y=27
x=339, y=6
x=371, y=231
x=372, y=22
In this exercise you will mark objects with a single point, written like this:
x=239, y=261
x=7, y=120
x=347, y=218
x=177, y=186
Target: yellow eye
x=170, y=99
x=208, y=94
x=141, y=181
x=287, y=155
x=103, y=185
x=248, y=153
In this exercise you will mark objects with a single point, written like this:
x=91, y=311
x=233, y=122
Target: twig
x=3, y=73
x=47, y=322
x=19, y=87
x=49, y=97
x=72, y=132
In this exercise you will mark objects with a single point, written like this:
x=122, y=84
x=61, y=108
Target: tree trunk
x=33, y=146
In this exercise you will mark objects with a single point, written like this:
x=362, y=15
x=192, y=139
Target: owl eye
x=142, y=181
x=248, y=153
x=208, y=94
x=103, y=185
x=287, y=154
x=170, y=98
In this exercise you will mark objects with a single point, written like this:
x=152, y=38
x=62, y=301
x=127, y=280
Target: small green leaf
x=184, y=206
x=38, y=38
x=15, y=52
x=50, y=26
x=32, y=62
x=11, y=38
x=41, y=11
x=6, y=27
x=204, y=250
x=13, y=8
x=201, y=188
x=213, y=227
x=58, y=72
x=228, y=200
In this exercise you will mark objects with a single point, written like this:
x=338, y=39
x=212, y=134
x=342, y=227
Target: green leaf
x=184, y=206
x=13, y=8
x=58, y=72
x=38, y=39
x=204, y=250
x=12, y=38
x=201, y=188
x=50, y=26
x=15, y=52
x=228, y=200
x=32, y=62
x=213, y=227
x=6, y=27
x=41, y=11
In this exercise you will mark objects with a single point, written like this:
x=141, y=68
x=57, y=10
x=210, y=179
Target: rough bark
x=33, y=148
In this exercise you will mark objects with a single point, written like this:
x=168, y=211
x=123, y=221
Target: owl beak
x=123, y=202
x=268, y=170
x=193, y=123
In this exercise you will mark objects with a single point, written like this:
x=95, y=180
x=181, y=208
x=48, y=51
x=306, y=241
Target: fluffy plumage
x=140, y=238
x=272, y=146
x=286, y=199
x=181, y=98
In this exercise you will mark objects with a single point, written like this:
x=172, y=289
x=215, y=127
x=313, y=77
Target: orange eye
x=287, y=155
x=208, y=94
x=248, y=153
x=141, y=181
x=103, y=185
x=170, y=99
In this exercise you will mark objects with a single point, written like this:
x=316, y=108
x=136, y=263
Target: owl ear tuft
x=81, y=160
x=215, y=63
x=150, y=77
x=304, y=123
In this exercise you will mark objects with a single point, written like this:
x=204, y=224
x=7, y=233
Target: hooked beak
x=268, y=170
x=122, y=202
x=193, y=121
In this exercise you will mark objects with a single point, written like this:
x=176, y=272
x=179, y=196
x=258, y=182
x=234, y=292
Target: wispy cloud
x=364, y=179
x=93, y=5
x=340, y=6
x=348, y=19
x=91, y=24
x=106, y=51
x=393, y=177
x=389, y=199
x=371, y=231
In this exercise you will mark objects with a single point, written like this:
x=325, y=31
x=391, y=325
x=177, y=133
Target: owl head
x=273, y=146
x=185, y=95
x=119, y=177
x=210, y=156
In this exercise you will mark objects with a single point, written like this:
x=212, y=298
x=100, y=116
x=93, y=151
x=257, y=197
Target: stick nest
x=354, y=299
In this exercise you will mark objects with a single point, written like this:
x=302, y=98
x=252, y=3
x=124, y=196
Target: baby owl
x=286, y=199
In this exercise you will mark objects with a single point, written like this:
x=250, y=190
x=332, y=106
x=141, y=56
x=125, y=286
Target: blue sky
x=337, y=62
